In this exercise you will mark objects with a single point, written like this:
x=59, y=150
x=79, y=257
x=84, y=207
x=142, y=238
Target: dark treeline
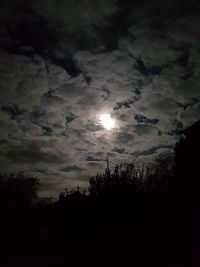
x=146, y=215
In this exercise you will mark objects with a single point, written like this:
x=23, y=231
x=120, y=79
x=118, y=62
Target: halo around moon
x=106, y=121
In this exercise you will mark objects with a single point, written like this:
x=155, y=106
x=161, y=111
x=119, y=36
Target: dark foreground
x=169, y=240
x=132, y=217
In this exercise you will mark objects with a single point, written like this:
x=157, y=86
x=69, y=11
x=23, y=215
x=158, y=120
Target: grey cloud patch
x=72, y=168
x=193, y=101
x=119, y=150
x=176, y=128
x=143, y=129
x=124, y=138
x=139, y=129
x=50, y=96
x=31, y=155
x=96, y=165
x=38, y=115
x=151, y=151
x=106, y=93
x=3, y=142
x=150, y=70
x=93, y=126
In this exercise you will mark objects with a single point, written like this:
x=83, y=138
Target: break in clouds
x=63, y=65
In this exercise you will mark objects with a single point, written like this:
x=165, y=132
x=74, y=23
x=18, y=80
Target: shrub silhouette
x=133, y=178
x=161, y=178
x=188, y=162
x=18, y=190
x=126, y=178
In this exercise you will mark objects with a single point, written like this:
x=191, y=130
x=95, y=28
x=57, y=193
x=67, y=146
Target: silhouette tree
x=187, y=167
x=188, y=162
x=126, y=178
x=161, y=177
x=18, y=190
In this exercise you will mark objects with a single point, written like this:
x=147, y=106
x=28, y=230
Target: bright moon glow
x=107, y=121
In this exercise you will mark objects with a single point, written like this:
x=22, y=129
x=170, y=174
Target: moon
x=107, y=122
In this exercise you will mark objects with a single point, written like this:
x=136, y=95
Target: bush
x=18, y=190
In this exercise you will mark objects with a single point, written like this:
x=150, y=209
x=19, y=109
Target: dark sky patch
x=177, y=129
x=29, y=30
x=150, y=70
x=142, y=119
x=118, y=25
x=13, y=110
x=49, y=93
x=137, y=86
x=89, y=158
x=183, y=60
x=69, y=118
x=119, y=150
x=192, y=102
x=37, y=115
x=47, y=131
x=124, y=104
x=67, y=63
x=72, y=168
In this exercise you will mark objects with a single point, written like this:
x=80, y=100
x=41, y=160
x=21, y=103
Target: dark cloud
x=89, y=158
x=72, y=168
x=67, y=63
x=177, y=128
x=192, y=101
x=183, y=60
x=31, y=154
x=14, y=111
x=143, y=129
x=106, y=93
x=38, y=115
x=142, y=119
x=150, y=70
x=118, y=25
x=151, y=151
x=124, y=104
x=119, y=150
x=124, y=138
x=69, y=117
x=47, y=131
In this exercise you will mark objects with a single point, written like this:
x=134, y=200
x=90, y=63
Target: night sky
x=63, y=64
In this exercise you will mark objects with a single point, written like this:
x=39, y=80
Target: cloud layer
x=59, y=74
